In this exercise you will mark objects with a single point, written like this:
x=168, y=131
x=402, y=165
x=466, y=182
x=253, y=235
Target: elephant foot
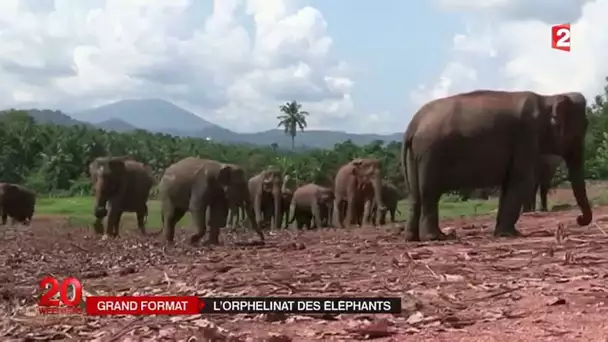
x=411, y=235
x=194, y=239
x=105, y=237
x=510, y=232
x=212, y=242
x=437, y=236
x=544, y=210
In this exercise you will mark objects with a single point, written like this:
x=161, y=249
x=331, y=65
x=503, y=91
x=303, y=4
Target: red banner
x=143, y=305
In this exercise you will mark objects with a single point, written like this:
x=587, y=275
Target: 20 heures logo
x=70, y=295
x=560, y=37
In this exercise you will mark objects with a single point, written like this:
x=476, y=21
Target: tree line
x=53, y=160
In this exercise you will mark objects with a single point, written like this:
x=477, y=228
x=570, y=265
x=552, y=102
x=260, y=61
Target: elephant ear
x=561, y=112
x=225, y=174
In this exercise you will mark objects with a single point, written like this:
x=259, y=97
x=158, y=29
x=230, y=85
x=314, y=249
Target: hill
x=158, y=115
x=154, y=115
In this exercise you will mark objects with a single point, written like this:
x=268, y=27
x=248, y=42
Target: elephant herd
x=478, y=140
x=216, y=195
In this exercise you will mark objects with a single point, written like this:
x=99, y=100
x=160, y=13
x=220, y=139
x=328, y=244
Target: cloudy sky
x=356, y=65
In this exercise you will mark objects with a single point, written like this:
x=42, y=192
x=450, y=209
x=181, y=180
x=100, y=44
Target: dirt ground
x=546, y=286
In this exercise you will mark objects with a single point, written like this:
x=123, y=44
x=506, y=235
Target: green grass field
x=79, y=210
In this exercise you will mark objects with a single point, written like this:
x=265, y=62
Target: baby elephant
x=312, y=204
x=18, y=202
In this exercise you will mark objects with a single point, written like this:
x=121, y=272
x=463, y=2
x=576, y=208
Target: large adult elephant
x=348, y=189
x=489, y=138
x=195, y=185
x=122, y=185
x=545, y=171
x=265, y=190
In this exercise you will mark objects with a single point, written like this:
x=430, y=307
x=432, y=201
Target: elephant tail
x=293, y=217
x=405, y=146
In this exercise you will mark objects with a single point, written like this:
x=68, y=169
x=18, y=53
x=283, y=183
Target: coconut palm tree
x=291, y=119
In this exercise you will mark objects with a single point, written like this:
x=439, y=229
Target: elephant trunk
x=576, y=174
x=277, y=195
x=101, y=199
x=377, y=185
x=242, y=190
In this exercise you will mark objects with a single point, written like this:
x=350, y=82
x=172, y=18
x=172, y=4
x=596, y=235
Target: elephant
x=265, y=188
x=239, y=199
x=545, y=170
x=349, y=189
x=489, y=138
x=195, y=185
x=18, y=202
x=390, y=197
x=122, y=185
x=286, y=197
x=312, y=205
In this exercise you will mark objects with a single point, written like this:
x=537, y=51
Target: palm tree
x=291, y=119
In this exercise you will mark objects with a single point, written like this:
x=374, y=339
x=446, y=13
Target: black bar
x=299, y=305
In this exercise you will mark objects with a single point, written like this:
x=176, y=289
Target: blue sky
x=393, y=48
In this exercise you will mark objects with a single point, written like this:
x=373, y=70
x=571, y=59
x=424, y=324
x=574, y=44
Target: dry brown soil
x=536, y=288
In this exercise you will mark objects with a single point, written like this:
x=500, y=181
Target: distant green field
x=79, y=210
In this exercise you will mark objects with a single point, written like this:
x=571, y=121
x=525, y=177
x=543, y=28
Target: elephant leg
x=217, y=220
x=530, y=201
x=367, y=213
x=429, y=215
x=544, y=190
x=170, y=216
x=316, y=214
x=4, y=218
x=513, y=194
x=142, y=216
x=412, y=227
x=199, y=217
x=382, y=217
x=338, y=223
x=392, y=213
x=300, y=218
x=114, y=215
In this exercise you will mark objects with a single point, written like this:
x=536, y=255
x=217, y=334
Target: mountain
x=117, y=125
x=161, y=116
x=154, y=115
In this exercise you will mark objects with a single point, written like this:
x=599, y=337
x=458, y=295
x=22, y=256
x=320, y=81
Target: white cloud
x=77, y=54
x=507, y=46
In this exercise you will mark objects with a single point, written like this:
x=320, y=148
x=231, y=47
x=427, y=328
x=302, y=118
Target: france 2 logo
x=560, y=37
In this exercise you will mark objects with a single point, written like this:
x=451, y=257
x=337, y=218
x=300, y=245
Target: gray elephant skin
x=16, y=202
x=122, y=185
x=489, y=138
x=312, y=206
x=196, y=185
x=349, y=189
x=265, y=190
x=390, y=197
x=239, y=199
x=545, y=171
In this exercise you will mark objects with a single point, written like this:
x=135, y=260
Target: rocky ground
x=550, y=285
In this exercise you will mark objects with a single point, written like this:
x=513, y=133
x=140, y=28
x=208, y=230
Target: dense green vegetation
x=53, y=159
